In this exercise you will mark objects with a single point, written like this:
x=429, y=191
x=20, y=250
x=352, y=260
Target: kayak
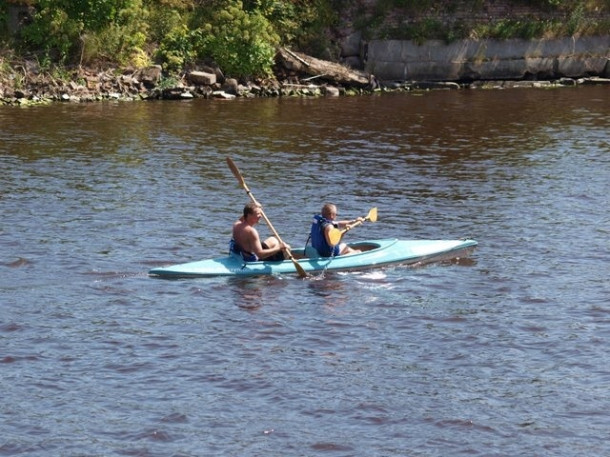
x=374, y=254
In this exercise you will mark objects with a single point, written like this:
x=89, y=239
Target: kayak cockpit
x=309, y=252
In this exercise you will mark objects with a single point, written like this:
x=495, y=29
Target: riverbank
x=52, y=52
x=26, y=84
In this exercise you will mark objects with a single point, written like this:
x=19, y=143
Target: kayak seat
x=311, y=252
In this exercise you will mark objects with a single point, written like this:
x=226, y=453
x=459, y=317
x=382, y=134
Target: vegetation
x=241, y=36
x=451, y=20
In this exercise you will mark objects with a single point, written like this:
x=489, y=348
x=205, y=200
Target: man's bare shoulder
x=245, y=232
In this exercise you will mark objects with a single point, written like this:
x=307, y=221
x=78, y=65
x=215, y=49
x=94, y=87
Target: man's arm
x=256, y=247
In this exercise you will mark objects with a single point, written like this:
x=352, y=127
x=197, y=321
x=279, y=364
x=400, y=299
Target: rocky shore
x=295, y=76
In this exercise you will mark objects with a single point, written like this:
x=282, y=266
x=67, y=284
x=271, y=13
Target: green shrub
x=241, y=42
x=84, y=30
x=177, y=48
x=122, y=41
x=310, y=31
x=53, y=32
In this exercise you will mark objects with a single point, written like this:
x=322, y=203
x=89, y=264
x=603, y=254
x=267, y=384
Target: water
x=502, y=354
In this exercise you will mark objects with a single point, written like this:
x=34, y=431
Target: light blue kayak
x=375, y=253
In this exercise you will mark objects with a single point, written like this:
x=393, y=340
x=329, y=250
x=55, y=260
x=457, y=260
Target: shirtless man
x=247, y=243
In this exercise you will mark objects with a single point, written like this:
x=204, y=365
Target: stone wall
x=472, y=60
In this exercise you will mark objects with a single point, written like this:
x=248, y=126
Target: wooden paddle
x=335, y=234
x=302, y=273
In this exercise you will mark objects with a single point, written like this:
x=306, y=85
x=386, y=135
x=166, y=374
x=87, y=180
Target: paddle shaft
x=336, y=235
x=243, y=184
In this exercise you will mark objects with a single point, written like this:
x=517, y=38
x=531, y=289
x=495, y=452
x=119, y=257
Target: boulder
x=231, y=86
x=222, y=95
x=150, y=76
x=220, y=77
x=201, y=78
x=331, y=91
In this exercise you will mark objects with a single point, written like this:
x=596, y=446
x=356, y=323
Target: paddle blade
x=372, y=216
x=300, y=270
x=334, y=236
x=236, y=173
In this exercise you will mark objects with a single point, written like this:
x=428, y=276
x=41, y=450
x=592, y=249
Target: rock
x=201, y=78
x=230, y=86
x=32, y=67
x=331, y=91
x=255, y=89
x=428, y=85
x=130, y=81
x=486, y=85
x=173, y=93
x=525, y=84
x=150, y=76
x=567, y=82
x=92, y=83
x=391, y=85
x=203, y=91
x=223, y=95
x=596, y=80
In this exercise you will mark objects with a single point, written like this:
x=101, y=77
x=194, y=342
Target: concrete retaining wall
x=488, y=59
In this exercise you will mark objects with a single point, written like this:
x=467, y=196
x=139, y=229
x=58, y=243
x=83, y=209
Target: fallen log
x=333, y=72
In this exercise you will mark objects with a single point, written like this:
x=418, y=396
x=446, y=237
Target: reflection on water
x=248, y=292
x=329, y=290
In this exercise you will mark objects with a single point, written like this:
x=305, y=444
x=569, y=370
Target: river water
x=502, y=354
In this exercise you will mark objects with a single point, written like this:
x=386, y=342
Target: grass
x=422, y=20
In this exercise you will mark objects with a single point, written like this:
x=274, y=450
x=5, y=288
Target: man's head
x=329, y=211
x=251, y=209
